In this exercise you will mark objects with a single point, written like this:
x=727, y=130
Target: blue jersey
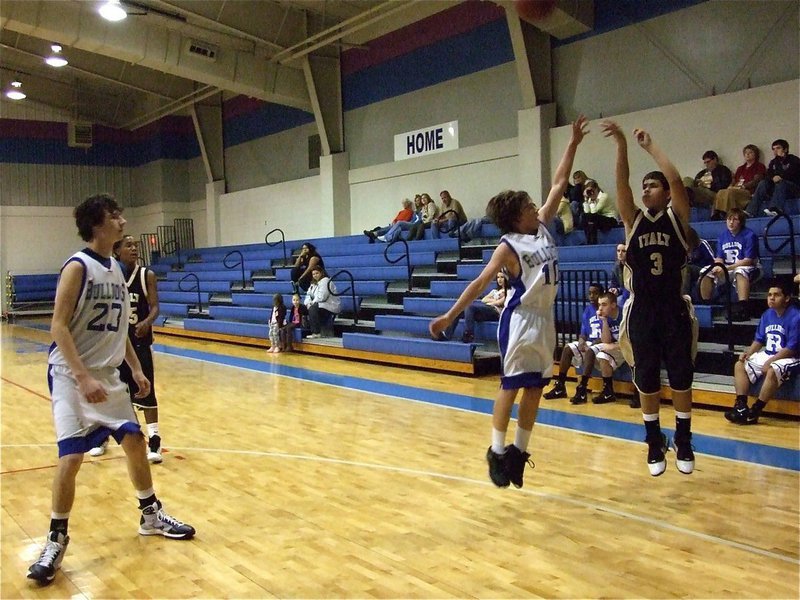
x=779, y=332
x=731, y=248
x=613, y=325
x=591, y=325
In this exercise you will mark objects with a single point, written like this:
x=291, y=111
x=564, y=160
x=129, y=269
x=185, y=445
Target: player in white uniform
x=89, y=401
x=526, y=333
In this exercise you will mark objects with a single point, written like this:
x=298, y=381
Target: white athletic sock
x=498, y=441
x=145, y=494
x=152, y=429
x=59, y=516
x=522, y=438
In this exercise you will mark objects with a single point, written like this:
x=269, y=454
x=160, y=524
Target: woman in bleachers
x=305, y=263
x=745, y=181
x=599, y=211
x=429, y=212
x=322, y=302
x=489, y=310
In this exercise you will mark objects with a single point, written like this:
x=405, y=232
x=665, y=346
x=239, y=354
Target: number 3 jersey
x=140, y=307
x=656, y=257
x=99, y=324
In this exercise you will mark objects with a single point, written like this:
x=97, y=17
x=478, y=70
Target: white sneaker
x=99, y=450
x=155, y=521
x=382, y=238
x=770, y=213
x=44, y=569
x=313, y=336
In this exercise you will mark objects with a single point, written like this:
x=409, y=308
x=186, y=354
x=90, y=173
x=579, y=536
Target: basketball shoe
x=559, y=391
x=656, y=459
x=739, y=412
x=44, y=569
x=99, y=450
x=154, y=449
x=516, y=460
x=580, y=396
x=604, y=397
x=684, y=453
x=497, y=468
x=155, y=521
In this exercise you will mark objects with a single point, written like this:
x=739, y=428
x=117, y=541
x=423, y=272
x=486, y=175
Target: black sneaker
x=580, y=396
x=467, y=338
x=656, y=454
x=155, y=521
x=635, y=401
x=752, y=417
x=497, y=468
x=559, y=391
x=44, y=569
x=515, y=461
x=605, y=397
x=684, y=453
x=739, y=413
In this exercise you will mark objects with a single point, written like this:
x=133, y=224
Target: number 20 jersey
x=656, y=257
x=99, y=324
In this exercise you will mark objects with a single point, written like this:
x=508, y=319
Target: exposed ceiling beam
x=73, y=68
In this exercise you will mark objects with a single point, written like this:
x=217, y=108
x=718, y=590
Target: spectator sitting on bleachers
x=774, y=354
x=490, y=309
x=700, y=256
x=574, y=195
x=737, y=251
x=322, y=302
x=781, y=183
x=745, y=181
x=617, y=278
x=578, y=353
x=599, y=211
x=306, y=261
x=447, y=222
x=277, y=320
x=472, y=228
x=429, y=212
x=714, y=177
x=405, y=214
x=400, y=226
x=609, y=355
x=298, y=317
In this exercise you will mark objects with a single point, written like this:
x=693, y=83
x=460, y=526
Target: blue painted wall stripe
x=486, y=46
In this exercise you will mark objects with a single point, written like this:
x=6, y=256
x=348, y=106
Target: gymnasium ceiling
x=122, y=74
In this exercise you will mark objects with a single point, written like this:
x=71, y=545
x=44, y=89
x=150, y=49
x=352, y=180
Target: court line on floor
x=737, y=450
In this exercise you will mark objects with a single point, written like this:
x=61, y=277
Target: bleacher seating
x=401, y=319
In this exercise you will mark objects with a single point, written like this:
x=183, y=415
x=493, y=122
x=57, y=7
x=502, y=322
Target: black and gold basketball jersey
x=657, y=254
x=140, y=308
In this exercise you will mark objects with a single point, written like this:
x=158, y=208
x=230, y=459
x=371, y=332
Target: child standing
x=297, y=313
x=526, y=334
x=276, y=321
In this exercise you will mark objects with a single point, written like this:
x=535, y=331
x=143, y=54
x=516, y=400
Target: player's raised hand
x=642, y=138
x=611, y=129
x=579, y=129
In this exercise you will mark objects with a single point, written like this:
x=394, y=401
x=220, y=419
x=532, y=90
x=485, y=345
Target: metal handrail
x=351, y=289
x=233, y=266
x=790, y=241
x=177, y=251
x=196, y=288
x=282, y=242
x=406, y=254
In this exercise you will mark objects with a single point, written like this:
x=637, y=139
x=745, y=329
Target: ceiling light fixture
x=15, y=91
x=112, y=11
x=56, y=59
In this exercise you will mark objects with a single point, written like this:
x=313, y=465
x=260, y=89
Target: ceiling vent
x=79, y=135
x=202, y=50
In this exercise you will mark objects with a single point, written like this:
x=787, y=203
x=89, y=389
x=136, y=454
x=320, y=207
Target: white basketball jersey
x=99, y=324
x=537, y=284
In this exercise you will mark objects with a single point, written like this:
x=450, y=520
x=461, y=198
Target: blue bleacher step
x=238, y=287
x=406, y=346
x=220, y=299
x=257, y=330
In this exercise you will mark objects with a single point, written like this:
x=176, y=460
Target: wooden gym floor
x=310, y=477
